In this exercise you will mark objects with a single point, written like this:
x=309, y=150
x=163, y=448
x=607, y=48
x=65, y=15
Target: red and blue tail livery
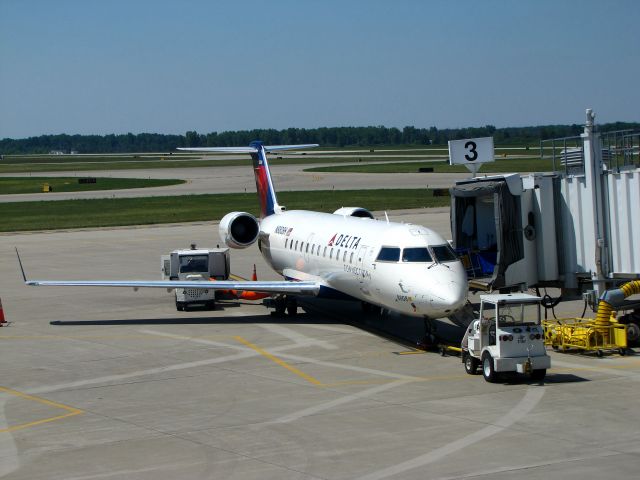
x=264, y=184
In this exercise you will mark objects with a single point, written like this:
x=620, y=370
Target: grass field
x=49, y=215
x=58, y=163
x=14, y=185
x=499, y=166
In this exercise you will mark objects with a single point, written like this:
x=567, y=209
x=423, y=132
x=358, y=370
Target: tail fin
x=264, y=184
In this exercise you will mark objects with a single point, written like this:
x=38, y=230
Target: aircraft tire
x=292, y=307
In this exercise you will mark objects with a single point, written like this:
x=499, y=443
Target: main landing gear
x=285, y=304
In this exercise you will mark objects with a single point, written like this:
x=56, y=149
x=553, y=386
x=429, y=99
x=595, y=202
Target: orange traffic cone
x=2, y=319
x=254, y=277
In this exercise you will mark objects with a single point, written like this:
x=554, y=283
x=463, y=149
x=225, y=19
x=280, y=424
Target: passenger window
x=344, y=257
x=307, y=249
x=351, y=258
x=416, y=254
x=331, y=253
x=286, y=241
x=296, y=245
x=389, y=254
x=338, y=255
x=324, y=252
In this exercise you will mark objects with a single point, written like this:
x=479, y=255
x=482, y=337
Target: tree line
x=325, y=136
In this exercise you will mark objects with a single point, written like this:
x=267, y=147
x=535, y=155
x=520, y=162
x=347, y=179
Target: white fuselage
x=343, y=253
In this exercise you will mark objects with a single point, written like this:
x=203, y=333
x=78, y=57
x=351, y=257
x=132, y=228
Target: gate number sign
x=471, y=152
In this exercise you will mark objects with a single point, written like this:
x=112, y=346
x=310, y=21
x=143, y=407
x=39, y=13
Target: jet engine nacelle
x=239, y=229
x=354, y=212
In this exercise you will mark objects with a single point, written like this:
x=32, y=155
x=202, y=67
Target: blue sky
x=97, y=67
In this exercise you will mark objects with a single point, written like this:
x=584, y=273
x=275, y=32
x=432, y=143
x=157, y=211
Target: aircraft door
x=365, y=264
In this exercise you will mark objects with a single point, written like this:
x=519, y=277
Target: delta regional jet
x=345, y=254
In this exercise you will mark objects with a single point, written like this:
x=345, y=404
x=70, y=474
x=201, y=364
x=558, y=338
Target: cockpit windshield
x=416, y=254
x=389, y=254
x=444, y=253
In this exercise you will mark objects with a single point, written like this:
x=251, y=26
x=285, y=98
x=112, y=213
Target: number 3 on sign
x=473, y=153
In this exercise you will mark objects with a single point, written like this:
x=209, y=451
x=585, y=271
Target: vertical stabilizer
x=264, y=184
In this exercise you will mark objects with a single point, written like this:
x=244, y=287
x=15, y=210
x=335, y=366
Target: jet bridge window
x=416, y=254
x=444, y=253
x=389, y=254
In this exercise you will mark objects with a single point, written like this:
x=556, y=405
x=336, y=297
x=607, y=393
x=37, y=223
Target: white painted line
x=515, y=469
x=297, y=337
x=371, y=371
x=244, y=352
x=338, y=401
x=330, y=328
x=8, y=451
x=596, y=368
x=138, y=373
x=528, y=402
x=129, y=473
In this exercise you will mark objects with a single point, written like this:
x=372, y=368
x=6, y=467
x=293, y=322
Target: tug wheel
x=538, y=375
x=488, y=370
x=470, y=365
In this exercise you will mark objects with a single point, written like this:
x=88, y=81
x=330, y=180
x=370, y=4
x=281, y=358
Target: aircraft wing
x=283, y=286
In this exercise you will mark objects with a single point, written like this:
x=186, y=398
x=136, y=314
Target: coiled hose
x=611, y=300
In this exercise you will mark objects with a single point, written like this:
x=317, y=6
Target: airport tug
x=507, y=337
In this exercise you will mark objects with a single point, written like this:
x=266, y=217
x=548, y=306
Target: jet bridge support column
x=594, y=183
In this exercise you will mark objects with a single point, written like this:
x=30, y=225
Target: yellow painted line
x=411, y=352
x=71, y=410
x=282, y=363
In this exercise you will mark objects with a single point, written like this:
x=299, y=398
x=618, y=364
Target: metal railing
x=623, y=147
x=566, y=152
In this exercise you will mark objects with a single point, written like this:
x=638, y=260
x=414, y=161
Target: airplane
x=346, y=254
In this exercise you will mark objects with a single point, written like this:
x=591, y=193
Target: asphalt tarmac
x=116, y=384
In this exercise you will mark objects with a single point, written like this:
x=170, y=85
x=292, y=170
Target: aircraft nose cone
x=449, y=295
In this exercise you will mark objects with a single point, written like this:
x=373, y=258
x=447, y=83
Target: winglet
x=24, y=277
x=31, y=283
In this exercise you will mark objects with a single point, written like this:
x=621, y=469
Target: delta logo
x=345, y=241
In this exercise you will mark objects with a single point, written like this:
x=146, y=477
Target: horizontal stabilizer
x=268, y=148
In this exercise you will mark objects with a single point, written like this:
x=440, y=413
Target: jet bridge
x=573, y=228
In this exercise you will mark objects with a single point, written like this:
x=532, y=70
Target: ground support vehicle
x=604, y=332
x=507, y=337
x=196, y=264
x=584, y=334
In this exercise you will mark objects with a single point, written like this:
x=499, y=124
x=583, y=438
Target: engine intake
x=354, y=212
x=239, y=229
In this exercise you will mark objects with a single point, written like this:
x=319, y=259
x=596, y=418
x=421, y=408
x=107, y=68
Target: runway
x=206, y=180
x=115, y=384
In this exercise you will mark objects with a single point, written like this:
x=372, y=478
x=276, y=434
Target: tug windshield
x=518, y=314
x=194, y=263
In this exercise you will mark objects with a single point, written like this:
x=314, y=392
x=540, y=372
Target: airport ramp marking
x=71, y=411
x=291, y=417
x=298, y=337
x=531, y=398
x=282, y=363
